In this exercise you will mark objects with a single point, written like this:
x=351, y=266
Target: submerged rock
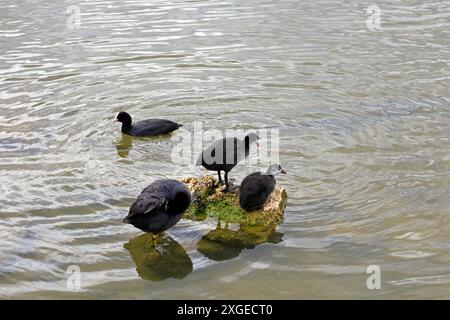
x=210, y=200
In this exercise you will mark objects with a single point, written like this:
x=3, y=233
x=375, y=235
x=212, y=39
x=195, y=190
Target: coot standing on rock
x=224, y=154
x=257, y=187
x=159, y=206
x=145, y=128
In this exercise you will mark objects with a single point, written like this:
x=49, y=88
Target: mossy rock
x=209, y=200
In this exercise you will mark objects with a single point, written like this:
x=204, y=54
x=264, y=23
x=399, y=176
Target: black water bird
x=145, y=128
x=256, y=188
x=159, y=206
x=224, y=154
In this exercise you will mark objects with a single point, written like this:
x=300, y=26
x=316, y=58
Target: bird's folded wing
x=145, y=204
x=209, y=153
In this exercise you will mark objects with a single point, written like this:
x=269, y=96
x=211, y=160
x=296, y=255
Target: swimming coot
x=224, y=154
x=159, y=206
x=145, y=128
x=256, y=188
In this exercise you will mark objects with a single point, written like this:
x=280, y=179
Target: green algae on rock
x=210, y=200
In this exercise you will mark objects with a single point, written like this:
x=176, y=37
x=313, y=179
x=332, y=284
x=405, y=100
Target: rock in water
x=210, y=200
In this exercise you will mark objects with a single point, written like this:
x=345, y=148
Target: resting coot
x=145, y=128
x=224, y=154
x=256, y=188
x=159, y=206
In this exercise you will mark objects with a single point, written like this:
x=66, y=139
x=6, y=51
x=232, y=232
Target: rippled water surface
x=364, y=124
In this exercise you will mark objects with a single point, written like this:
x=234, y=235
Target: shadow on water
x=224, y=244
x=159, y=259
x=124, y=145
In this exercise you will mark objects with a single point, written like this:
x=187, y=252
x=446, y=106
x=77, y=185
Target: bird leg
x=227, y=185
x=220, y=177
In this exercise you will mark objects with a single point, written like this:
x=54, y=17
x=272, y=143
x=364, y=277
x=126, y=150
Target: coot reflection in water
x=124, y=146
x=159, y=259
x=224, y=244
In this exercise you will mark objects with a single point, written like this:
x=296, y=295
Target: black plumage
x=159, y=206
x=256, y=188
x=145, y=128
x=224, y=154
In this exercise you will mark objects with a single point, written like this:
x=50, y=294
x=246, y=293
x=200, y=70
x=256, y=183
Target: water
x=364, y=133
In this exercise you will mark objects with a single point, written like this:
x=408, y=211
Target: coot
x=145, y=128
x=159, y=206
x=224, y=154
x=256, y=188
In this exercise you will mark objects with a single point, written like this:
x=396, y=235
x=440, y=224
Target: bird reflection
x=224, y=244
x=124, y=145
x=159, y=259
